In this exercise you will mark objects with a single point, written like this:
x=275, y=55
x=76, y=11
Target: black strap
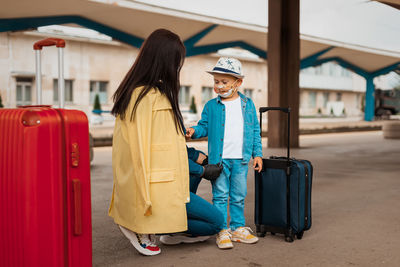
x=307, y=174
x=288, y=196
x=259, y=199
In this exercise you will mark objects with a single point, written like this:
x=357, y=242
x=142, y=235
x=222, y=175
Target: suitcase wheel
x=289, y=238
x=260, y=230
x=260, y=234
x=300, y=235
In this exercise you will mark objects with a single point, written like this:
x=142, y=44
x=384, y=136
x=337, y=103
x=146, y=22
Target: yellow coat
x=150, y=166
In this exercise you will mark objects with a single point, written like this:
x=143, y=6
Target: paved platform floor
x=355, y=211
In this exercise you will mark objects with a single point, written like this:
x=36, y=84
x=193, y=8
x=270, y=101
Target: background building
x=95, y=64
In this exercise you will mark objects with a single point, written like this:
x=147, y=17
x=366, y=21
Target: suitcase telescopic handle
x=265, y=109
x=60, y=43
x=49, y=42
x=287, y=111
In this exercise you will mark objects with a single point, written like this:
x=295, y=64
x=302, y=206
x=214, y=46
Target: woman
x=150, y=161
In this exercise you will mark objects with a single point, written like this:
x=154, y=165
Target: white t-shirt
x=233, y=137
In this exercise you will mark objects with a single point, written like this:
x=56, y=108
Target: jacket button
x=222, y=124
x=222, y=139
x=220, y=155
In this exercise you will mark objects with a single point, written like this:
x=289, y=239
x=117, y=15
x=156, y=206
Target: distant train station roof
x=131, y=22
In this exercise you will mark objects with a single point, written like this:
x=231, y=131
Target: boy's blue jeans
x=232, y=185
x=203, y=217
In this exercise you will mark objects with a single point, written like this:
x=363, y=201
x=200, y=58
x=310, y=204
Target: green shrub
x=97, y=105
x=193, y=107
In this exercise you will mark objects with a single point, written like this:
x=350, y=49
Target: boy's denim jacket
x=212, y=124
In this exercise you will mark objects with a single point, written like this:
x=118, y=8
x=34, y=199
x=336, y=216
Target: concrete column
x=283, y=70
x=369, y=110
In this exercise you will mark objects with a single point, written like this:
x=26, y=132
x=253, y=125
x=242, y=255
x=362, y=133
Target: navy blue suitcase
x=283, y=193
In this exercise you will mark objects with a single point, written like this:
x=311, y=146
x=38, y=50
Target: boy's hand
x=257, y=164
x=189, y=132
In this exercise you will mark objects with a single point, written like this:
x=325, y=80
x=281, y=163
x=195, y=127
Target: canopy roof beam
x=20, y=24
x=309, y=61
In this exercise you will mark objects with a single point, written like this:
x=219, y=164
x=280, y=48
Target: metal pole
x=38, y=78
x=61, y=83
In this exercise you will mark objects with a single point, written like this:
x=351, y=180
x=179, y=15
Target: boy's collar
x=242, y=97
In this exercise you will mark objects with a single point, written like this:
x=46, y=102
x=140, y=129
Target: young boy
x=231, y=124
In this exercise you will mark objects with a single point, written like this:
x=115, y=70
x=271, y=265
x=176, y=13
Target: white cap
x=228, y=65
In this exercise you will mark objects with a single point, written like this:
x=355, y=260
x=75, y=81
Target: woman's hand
x=201, y=158
x=212, y=171
x=257, y=164
x=189, y=132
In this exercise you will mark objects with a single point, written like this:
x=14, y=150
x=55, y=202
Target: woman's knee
x=219, y=220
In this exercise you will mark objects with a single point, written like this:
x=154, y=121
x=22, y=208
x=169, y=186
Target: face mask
x=227, y=93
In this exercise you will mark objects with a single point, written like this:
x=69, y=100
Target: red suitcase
x=45, y=204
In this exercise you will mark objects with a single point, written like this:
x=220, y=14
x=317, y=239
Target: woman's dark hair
x=158, y=65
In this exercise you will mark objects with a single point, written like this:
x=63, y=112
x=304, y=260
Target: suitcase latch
x=75, y=155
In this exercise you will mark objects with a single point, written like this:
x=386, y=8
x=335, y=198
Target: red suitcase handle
x=77, y=199
x=49, y=42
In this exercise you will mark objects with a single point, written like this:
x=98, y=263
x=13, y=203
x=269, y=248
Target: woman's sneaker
x=242, y=234
x=142, y=242
x=175, y=239
x=224, y=239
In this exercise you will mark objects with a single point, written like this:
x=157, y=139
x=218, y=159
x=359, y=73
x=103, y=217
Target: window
x=338, y=96
x=318, y=70
x=332, y=69
x=312, y=99
x=358, y=101
x=206, y=94
x=24, y=91
x=346, y=72
x=309, y=70
x=184, y=95
x=100, y=88
x=68, y=91
x=325, y=97
x=248, y=92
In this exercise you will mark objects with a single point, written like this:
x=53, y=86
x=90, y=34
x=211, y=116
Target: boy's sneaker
x=142, y=242
x=224, y=239
x=175, y=239
x=242, y=234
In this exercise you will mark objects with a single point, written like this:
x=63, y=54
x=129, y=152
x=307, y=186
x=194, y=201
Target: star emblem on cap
x=229, y=62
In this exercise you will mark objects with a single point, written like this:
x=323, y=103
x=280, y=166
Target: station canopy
x=131, y=22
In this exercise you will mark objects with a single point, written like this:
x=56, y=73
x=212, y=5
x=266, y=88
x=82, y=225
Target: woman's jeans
x=232, y=185
x=203, y=217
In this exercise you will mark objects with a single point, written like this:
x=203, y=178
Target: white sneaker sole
x=134, y=241
x=225, y=246
x=250, y=241
x=182, y=240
